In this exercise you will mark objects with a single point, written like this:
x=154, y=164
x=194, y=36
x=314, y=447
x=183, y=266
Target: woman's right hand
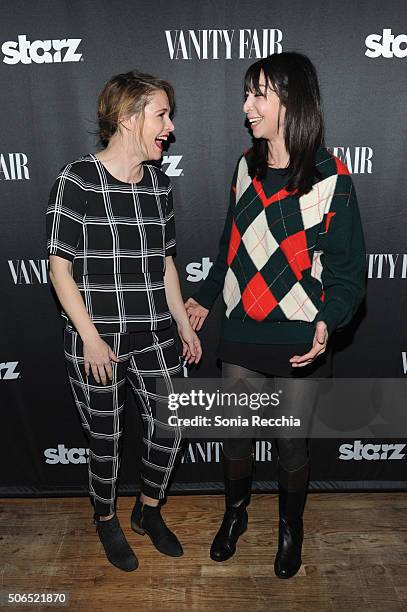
x=98, y=356
x=196, y=313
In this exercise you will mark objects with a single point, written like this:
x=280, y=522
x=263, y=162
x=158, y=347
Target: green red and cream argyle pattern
x=290, y=258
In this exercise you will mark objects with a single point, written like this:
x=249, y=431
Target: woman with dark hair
x=291, y=264
x=111, y=239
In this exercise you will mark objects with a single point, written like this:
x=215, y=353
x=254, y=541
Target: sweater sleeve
x=213, y=284
x=343, y=258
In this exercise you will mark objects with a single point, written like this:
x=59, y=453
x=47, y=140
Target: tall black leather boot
x=293, y=487
x=238, y=483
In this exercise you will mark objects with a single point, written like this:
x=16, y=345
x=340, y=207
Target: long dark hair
x=294, y=79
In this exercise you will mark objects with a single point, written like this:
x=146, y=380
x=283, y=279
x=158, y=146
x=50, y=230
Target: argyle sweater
x=286, y=262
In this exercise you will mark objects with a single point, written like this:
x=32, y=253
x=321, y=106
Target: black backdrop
x=55, y=57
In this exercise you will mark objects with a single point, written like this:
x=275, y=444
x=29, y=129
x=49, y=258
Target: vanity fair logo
x=386, y=45
x=357, y=159
x=371, y=452
x=387, y=265
x=8, y=370
x=211, y=452
x=172, y=162
x=223, y=44
x=29, y=271
x=197, y=270
x=13, y=167
x=41, y=51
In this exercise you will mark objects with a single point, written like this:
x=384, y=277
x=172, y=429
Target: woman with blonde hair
x=111, y=241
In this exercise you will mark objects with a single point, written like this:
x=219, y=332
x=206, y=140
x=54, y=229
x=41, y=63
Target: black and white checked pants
x=144, y=358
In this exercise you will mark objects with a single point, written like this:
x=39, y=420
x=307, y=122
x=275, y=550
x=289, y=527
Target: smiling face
x=154, y=129
x=264, y=111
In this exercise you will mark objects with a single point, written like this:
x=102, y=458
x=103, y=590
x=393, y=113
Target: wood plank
x=355, y=556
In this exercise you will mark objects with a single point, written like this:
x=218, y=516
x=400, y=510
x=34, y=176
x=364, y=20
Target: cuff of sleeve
x=61, y=253
x=203, y=299
x=332, y=313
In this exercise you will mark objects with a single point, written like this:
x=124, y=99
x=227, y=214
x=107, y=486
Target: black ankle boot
x=148, y=519
x=114, y=542
x=238, y=482
x=292, y=488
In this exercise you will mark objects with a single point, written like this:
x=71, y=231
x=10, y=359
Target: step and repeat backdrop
x=55, y=56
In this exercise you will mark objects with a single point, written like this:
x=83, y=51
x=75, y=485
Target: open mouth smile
x=159, y=141
x=254, y=120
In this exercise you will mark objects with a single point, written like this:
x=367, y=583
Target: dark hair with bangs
x=294, y=79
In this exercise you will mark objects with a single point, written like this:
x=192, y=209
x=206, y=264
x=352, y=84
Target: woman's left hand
x=318, y=347
x=191, y=345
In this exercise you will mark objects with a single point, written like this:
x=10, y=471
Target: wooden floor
x=355, y=557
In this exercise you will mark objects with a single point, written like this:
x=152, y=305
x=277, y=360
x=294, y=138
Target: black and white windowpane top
x=117, y=236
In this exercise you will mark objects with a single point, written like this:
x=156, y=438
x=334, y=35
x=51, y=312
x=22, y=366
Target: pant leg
x=101, y=411
x=154, y=358
x=293, y=453
x=299, y=397
x=300, y=393
x=238, y=448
